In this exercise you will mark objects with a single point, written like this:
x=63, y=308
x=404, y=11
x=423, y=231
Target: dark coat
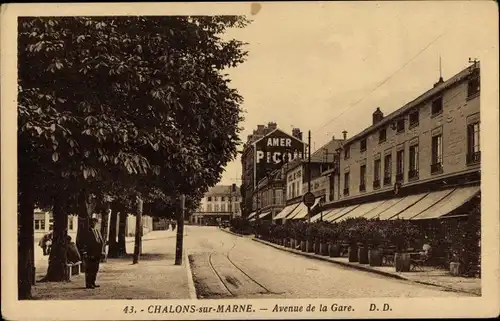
x=93, y=243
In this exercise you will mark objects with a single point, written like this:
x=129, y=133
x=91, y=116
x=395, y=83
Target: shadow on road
x=146, y=257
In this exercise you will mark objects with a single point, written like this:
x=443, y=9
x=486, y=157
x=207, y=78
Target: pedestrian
x=46, y=243
x=72, y=254
x=92, y=253
x=173, y=225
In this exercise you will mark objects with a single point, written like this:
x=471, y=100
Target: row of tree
x=112, y=110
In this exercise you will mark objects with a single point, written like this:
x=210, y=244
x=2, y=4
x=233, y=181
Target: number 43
x=129, y=309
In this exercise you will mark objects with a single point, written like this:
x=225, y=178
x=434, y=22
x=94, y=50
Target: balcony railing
x=376, y=183
x=413, y=174
x=346, y=191
x=362, y=187
x=436, y=168
x=473, y=158
x=387, y=180
x=399, y=177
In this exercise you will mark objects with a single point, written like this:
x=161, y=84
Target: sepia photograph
x=275, y=160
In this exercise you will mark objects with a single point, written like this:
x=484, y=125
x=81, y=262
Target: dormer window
x=414, y=118
x=347, y=152
x=437, y=106
x=400, y=125
x=362, y=145
x=382, y=135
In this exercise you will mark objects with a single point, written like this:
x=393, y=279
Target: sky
x=325, y=67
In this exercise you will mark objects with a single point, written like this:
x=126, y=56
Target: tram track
x=229, y=283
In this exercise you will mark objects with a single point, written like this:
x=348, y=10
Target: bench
x=73, y=269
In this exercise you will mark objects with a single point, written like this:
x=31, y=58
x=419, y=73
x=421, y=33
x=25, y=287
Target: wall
x=294, y=182
x=457, y=109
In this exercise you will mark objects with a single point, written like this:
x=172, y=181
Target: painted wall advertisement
x=274, y=150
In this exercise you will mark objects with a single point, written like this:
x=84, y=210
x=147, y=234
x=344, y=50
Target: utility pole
x=180, y=230
x=309, y=172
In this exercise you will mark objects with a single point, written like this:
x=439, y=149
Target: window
x=474, y=84
x=289, y=191
x=223, y=207
x=332, y=187
x=414, y=118
x=70, y=223
x=387, y=169
x=216, y=198
x=217, y=208
x=473, y=149
x=346, y=183
x=400, y=167
x=51, y=224
x=437, y=154
x=400, y=125
x=209, y=198
x=362, y=178
x=347, y=151
x=209, y=207
x=297, y=192
x=293, y=189
x=362, y=145
x=376, y=173
x=279, y=197
x=437, y=106
x=40, y=225
x=413, y=172
x=222, y=198
x=382, y=135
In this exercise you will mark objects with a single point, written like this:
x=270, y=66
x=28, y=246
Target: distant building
x=265, y=151
x=221, y=202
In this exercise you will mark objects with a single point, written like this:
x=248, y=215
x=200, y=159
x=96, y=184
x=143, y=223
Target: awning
x=422, y=205
x=449, y=203
x=252, y=219
x=331, y=213
x=399, y=207
x=298, y=213
x=362, y=210
x=377, y=212
x=341, y=213
x=264, y=214
x=318, y=216
x=316, y=202
x=287, y=210
x=252, y=215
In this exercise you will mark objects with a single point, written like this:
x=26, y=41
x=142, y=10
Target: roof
x=222, y=190
x=417, y=101
x=273, y=131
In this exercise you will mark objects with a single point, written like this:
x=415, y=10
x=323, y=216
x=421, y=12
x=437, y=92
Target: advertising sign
x=274, y=150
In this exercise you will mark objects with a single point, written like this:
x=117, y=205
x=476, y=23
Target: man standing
x=93, y=250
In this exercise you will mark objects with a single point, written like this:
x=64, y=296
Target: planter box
x=333, y=250
x=323, y=249
x=402, y=262
x=303, y=246
x=455, y=268
x=316, y=247
x=375, y=257
x=362, y=255
x=309, y=246
x=352, y=253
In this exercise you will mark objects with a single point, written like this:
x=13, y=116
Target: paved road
x=226, y=266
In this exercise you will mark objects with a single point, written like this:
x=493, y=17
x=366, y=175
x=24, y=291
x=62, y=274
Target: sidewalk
x=155, y=277
x=430, y=276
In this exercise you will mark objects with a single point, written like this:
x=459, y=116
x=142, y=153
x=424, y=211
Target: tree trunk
x=113, y=245
x=122, y=250
x=180, y=231
x=138, y=231
x=105, y=226
x=26, y=233
x=58, y=254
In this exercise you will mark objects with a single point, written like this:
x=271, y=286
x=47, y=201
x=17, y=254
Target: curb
x=359, y=267
x=235, y=234
x=191, y=287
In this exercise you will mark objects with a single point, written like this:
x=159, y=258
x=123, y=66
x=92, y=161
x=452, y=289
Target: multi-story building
x=420, y=162
x=221, y=202
x=269, y=197
x=265, y=151
x=297, y=180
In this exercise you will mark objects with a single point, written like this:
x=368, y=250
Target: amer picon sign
x=274, y=150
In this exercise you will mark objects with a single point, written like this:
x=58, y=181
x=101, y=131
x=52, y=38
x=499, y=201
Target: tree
x=105, y=98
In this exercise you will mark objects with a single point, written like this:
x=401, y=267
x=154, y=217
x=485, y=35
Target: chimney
x=345, y=134
x=260, y=128
x=272, y=126
x=297, y=133
x=440, y=81
x=333, y=137
x=378, y=115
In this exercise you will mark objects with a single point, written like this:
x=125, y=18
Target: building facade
x=265, y=151
x=221, y=202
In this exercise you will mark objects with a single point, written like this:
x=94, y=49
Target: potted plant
x=401, y=234
x=311, y=234
x=364, y=235
x=333, y=240
x=375, y=239
x=465, y=250
x=352, y=235
x=324, y=235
